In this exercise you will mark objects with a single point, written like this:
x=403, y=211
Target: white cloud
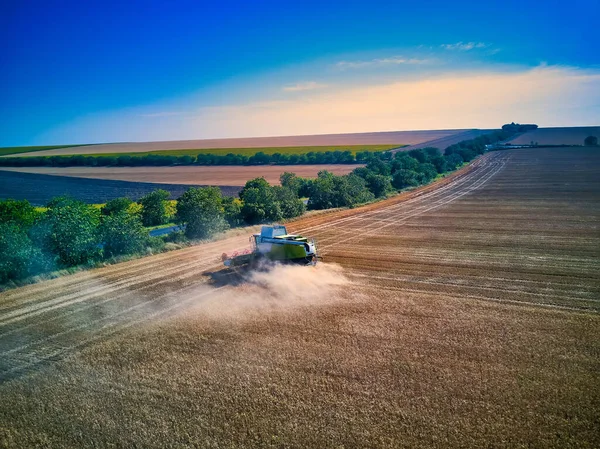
x=380, y=62
x=464, y=46
x=309, y=85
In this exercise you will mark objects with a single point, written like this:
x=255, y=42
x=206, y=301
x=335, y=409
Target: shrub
x=69, y=230
x=117, y=205
x=379, y=185
x=123, y=233
x=405, y=178
x=291, y=181
x=201, y=211
x=18, y=256
x=289, y=203
x=259, y=202
x=232, y=210
x=403, y=161
x=20, y=212
x=154, y=208
x=329, y=190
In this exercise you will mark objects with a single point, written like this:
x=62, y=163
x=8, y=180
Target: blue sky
x=78, y=72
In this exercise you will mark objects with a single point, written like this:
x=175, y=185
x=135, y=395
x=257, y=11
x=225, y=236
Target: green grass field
x=4, y=151
x=252, y=151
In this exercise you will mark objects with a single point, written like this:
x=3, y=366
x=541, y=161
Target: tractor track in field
x=51, y=320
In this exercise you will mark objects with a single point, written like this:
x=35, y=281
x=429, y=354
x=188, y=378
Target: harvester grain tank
x=276, y=245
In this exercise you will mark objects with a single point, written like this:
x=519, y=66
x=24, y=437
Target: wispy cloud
x=548, y=95
x=465, y=46
x=309, y=85
x=380, y=62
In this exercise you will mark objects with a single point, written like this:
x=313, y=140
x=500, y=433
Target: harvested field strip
x=452, y=184
x=430, y=206
x=531, y=268
x=125, y=281
x=470, y=314
x=105, y=331
x=453, y=287
x=466, y=296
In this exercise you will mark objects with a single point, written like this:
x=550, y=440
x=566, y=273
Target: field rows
x=452, y=315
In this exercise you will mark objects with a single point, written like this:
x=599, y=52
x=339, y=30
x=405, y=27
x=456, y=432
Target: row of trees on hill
x=69, y=232
x=260, y=158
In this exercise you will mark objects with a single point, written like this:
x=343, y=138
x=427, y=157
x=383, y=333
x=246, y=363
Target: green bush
x=289, y=203
x=70, y=230
x=18, y=212
x=19, y=258
x=405, y=178
x=117, y=205
x=123, y=233
x=201, y=211
x=232, y=210
x=379, y=185
x=259, y=202
x=154, y=208
x=329, y=191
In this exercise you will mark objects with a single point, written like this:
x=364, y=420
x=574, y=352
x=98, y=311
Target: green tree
x=590, y=141
x=291, y=181
x=428, y=172
x=403, y=161
x=289, y=203
x=329, y=190
x=440, y=163
x=117, y=205
x=453, y=161
x=405, y=178
x=379, y=185
x=201, y=211
x=123, y=233
x=70, y=230
x=232, y=210
x=154, y=208
x=378, y=167
x=19, y=258
x=18, y=212
x=260, y=203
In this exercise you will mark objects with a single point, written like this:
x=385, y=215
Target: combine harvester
x=274, y=244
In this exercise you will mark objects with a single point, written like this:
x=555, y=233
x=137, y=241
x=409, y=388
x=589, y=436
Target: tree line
x=69, y=233
x=260, y=158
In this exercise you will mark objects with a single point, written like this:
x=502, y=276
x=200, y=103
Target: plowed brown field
x=557, y=136
x=464, y=314
x=219, y=175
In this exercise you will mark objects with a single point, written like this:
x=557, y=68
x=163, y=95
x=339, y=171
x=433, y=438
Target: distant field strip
x=39, y=189
x=557, y=136
x=330, y=141
x=5, y=151
x=219, y=175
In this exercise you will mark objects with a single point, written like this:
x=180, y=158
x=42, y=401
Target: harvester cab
x=276, y=245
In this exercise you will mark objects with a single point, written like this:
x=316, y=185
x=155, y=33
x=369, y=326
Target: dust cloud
x=277, y=289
